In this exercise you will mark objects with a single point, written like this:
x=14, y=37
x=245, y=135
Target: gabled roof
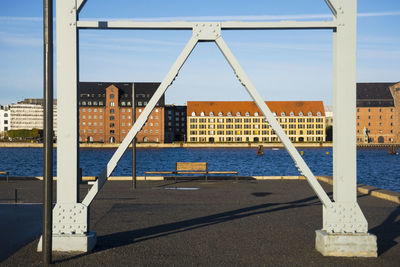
x=374, y=95
x=248, y=106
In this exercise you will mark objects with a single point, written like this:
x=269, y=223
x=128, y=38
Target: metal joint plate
x=70, y=218
x=207, y=31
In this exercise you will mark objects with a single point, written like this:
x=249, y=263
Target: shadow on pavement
x=135, y=236
x=388, y=231
x=19, y=225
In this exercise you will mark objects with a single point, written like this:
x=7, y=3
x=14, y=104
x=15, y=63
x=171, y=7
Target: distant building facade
x=376, y=113
x=28, y=114
x=328, y=116
x=242, y=121
x=4, y=118
x=105, y=112
x=175, y=123
x=395, y=90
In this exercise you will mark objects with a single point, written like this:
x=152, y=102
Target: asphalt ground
x=223, y=223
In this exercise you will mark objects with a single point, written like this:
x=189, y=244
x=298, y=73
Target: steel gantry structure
x=345, y=229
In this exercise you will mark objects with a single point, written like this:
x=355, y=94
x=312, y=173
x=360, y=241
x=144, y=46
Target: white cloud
x=221, y=18
x=379, y=14
x=20, y=39
x=27, y=19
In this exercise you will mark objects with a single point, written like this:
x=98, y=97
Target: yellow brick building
x=242, y=121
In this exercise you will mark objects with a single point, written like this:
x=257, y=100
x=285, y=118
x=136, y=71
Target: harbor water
x=375, y=166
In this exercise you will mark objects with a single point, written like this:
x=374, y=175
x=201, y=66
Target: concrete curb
x=369, y=190
x=363, y=189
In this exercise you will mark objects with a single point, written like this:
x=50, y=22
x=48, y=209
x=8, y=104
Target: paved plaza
x=219, y=223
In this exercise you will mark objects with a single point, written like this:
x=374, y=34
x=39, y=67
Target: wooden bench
x=182, y=168
x=6, y=174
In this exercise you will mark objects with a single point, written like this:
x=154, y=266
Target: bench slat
x=191, y=172
x=223, y=172
x=189, y=166
x=162, y=172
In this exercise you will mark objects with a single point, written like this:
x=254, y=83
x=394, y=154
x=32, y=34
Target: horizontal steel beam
x=186, y=25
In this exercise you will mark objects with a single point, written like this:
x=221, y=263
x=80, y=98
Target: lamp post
x=48, y=130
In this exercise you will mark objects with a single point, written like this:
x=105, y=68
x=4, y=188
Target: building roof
x=248, y=106
x=374, y=95
x=96, y=91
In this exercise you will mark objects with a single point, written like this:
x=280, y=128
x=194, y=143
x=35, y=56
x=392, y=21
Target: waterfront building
x=376, y=121
x=329, y=116
x=4, y=119
x=395, y=90
x=28, y=114
x=242, y=121
x=175, y=123
x=105, y=112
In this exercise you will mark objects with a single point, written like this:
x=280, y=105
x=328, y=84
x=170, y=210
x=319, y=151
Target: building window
x=112, y=111
x=112, y=118
x=319, y=114
x=238, y=113
x=112, y=104
x=112, y=131
x=291, y=114
x=309, y=114
x=301, y=113
x=112, y=125
x=193, y=114
x=247, y=114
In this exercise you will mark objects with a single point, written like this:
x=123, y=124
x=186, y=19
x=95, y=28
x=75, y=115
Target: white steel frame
x=343, y=215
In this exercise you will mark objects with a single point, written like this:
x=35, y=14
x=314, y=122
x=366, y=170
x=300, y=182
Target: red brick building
x=105, y=112
x=376, y=109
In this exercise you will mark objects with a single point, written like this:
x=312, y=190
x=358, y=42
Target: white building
x=28, y=115
x=329, y=115
x=4, y=119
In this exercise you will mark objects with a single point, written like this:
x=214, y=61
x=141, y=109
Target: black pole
x=48, y=130
x=134, y=140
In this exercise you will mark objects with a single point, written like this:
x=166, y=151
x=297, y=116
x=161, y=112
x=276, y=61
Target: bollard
x=16, y=196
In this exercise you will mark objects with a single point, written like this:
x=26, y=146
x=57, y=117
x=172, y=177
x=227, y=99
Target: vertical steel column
x=134, y=139
x=344, y=104
x=67, y=94
x=48, y=130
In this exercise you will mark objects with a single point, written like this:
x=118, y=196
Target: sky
x=283, y=65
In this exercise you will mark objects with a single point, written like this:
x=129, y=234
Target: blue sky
x=283, y=65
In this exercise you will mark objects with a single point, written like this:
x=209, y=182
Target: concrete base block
x=72, y=243
x=346, y=245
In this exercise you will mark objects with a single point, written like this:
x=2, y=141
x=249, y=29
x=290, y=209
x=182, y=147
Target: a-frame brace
x=344, y=224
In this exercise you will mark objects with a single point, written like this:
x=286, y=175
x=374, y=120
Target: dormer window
x=319, y=114
x=211, y=114
x=229, y=113
x=193, y=114
x=310, y=114
x=291, y=113
x=256, y=113
x=220, y=114
x=283, y=114
x=247, y=114
x=301, y=113
x=202, y=114
x=238, y=113
x=274, y=113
